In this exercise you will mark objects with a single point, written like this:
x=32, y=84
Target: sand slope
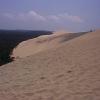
x=68, y=72
x=41, y=43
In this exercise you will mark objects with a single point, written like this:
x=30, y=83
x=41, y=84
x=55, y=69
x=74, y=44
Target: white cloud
x=29, y=16
x=66, y=17
x=69, y=17
x=75, y=18
x=37, y=16
x=34, y=16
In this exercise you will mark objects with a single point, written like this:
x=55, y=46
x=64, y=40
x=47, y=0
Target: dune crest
x=40, y=43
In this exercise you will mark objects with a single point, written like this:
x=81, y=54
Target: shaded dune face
x=70, y=71
x=41, y=43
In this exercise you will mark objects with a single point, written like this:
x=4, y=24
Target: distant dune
x=70, y=71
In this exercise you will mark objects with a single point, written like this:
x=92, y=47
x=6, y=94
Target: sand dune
x=70, y=71
x=38, y=44
x=41, y=43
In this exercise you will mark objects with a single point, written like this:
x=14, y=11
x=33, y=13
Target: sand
x=41, y=43
x=70, y=71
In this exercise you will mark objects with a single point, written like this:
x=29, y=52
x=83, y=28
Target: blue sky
x=71, y=15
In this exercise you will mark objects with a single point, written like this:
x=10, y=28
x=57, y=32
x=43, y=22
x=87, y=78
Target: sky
x=70, y=15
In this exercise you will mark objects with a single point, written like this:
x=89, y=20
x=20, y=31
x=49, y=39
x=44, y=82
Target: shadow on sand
x=73, y=35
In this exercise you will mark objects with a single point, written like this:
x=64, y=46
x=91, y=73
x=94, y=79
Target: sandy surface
x=41, y=43
x=68, y=72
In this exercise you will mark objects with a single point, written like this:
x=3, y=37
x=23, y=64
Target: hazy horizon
x=71, y=15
